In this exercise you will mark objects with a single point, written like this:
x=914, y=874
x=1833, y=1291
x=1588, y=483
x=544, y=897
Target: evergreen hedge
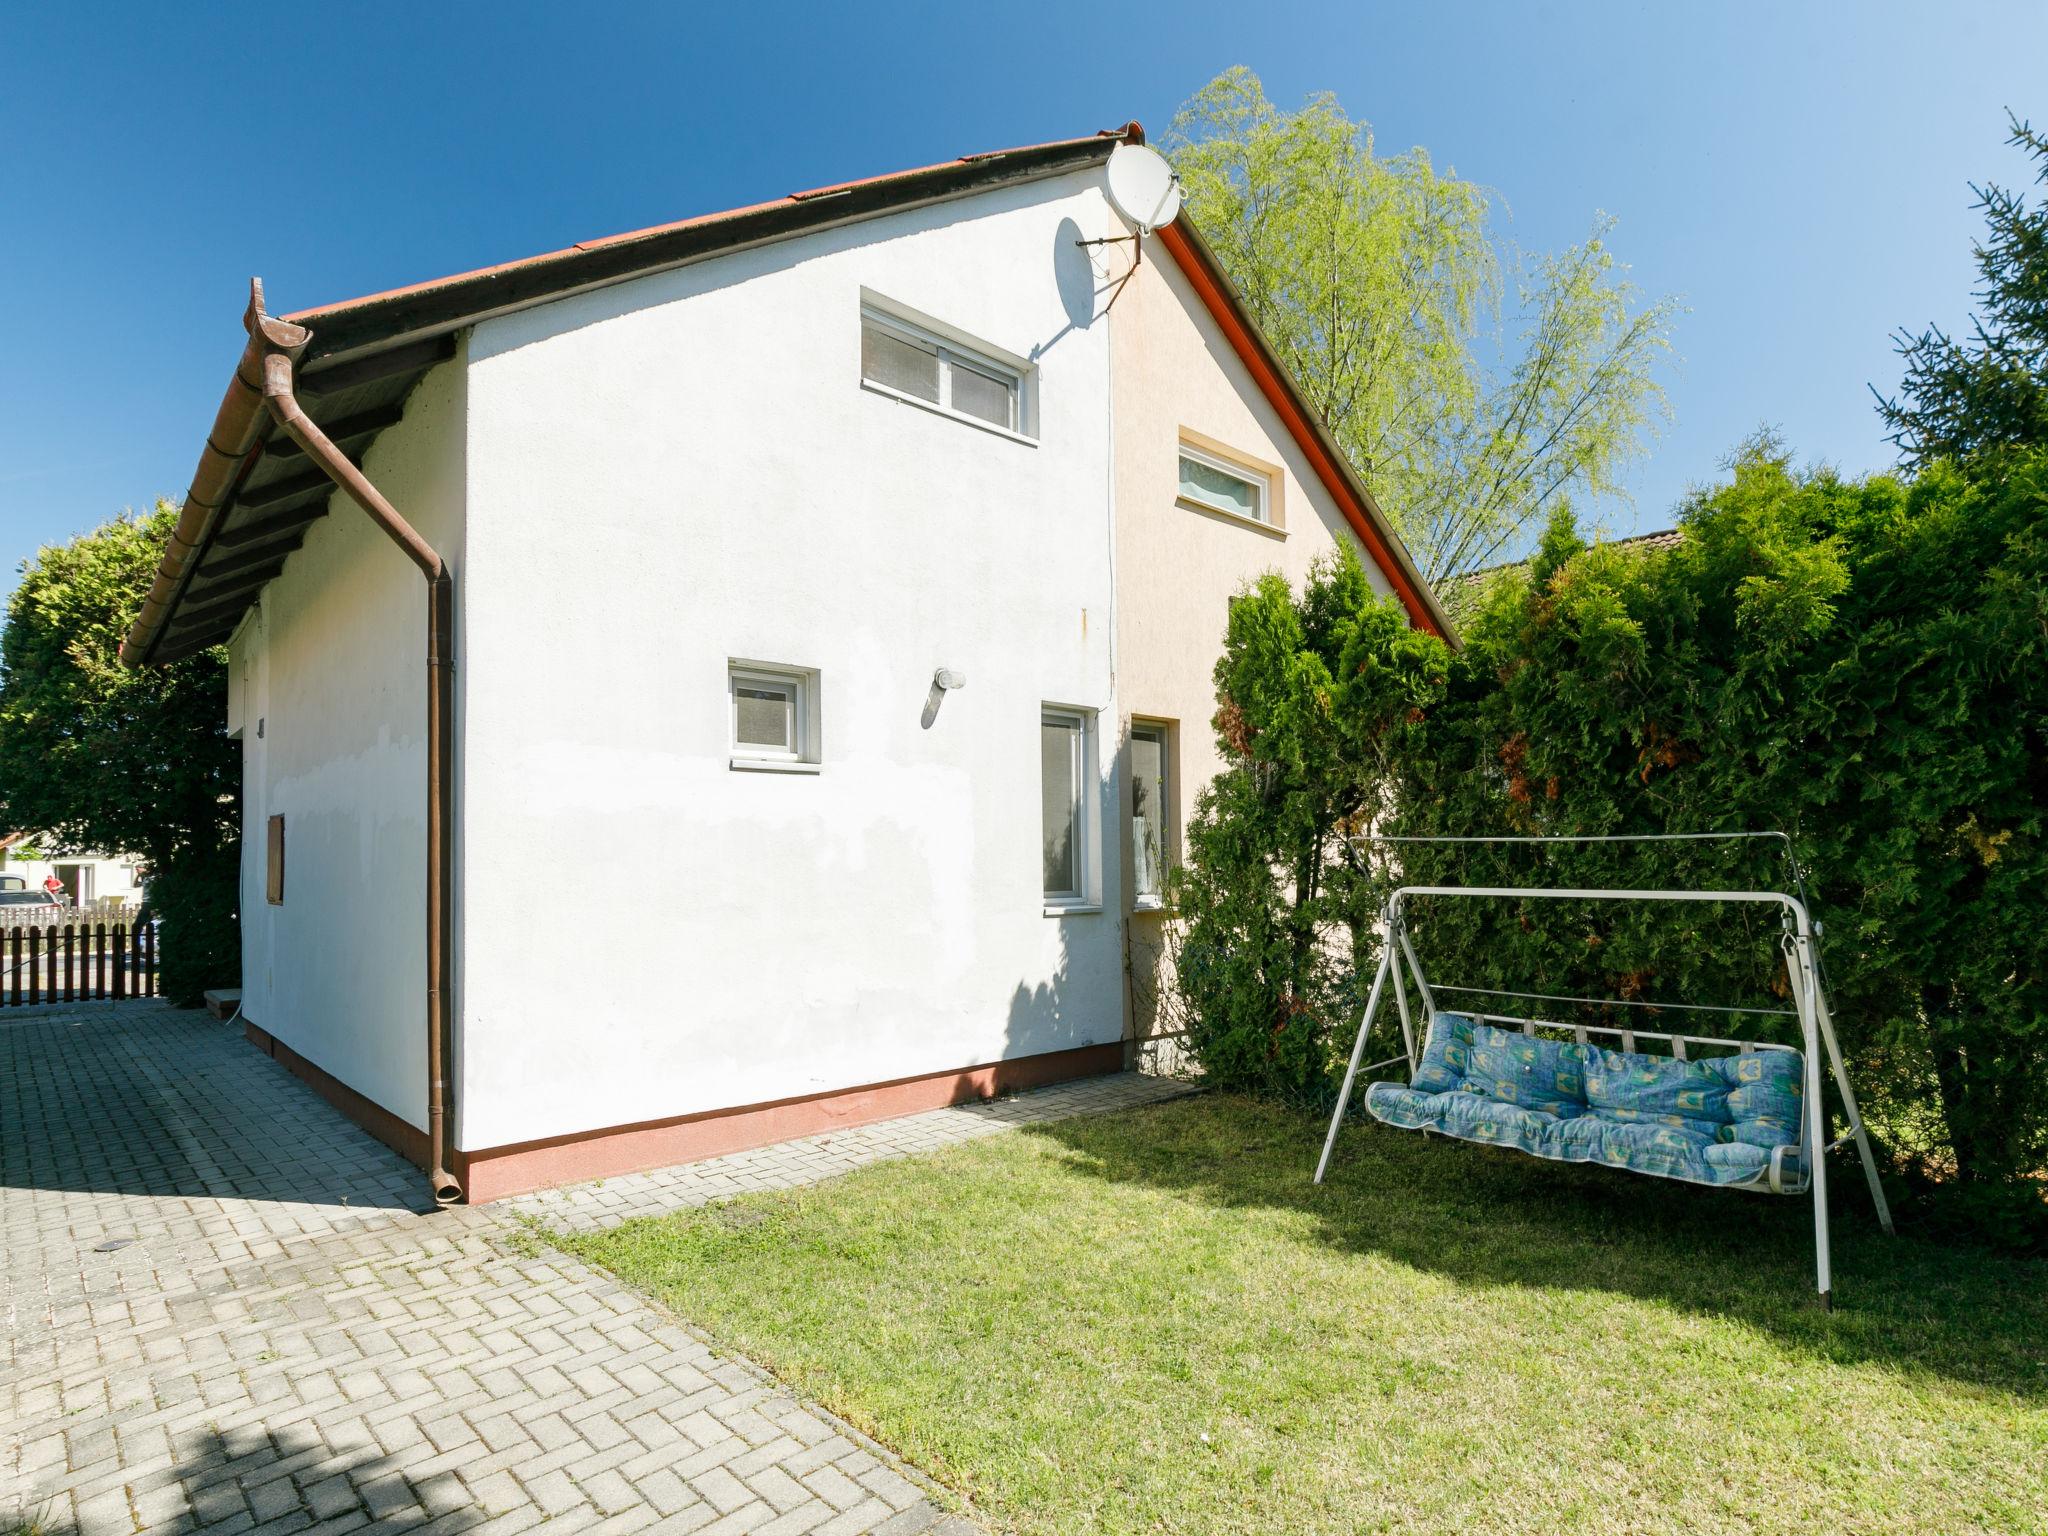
x=1861, y=663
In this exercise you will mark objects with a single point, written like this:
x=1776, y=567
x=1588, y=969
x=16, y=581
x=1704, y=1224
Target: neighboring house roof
x=255, y=493
x=1639, y=543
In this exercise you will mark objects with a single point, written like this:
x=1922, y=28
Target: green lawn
x=1154, y=1322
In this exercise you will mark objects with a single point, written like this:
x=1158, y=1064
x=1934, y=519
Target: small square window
x=1209, y=481
x=773, y=716
x=903, y=358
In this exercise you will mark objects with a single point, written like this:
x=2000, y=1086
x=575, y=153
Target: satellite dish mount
x=1143, y=188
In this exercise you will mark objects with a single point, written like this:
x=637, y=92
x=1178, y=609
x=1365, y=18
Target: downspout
x=280, y=343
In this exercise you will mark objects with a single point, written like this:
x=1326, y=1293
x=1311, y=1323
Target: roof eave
x=237, y=434
x=405, y=314
x=365, y=327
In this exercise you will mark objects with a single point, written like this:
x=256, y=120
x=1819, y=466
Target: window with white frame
x=902, y=358
x=773, y=713
x=1150, y=813
x=1211, y=481
x=1063, y=783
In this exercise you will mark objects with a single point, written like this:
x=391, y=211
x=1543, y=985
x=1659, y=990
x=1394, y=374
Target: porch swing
x=1704, y=1109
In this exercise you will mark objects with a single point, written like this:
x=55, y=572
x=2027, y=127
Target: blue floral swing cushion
x=1724, y=1120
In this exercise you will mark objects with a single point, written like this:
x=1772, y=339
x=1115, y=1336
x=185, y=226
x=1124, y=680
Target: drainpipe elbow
x=279, y=397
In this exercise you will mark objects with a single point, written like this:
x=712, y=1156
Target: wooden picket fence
x=75, y=962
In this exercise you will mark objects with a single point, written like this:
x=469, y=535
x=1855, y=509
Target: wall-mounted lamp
x=944, y=681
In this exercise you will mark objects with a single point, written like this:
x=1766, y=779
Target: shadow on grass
x=1486, y=1217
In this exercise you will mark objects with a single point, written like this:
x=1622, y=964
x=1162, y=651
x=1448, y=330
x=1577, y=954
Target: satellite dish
x=1142, y=187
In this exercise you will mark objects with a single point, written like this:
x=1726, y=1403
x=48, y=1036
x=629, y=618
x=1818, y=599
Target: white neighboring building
x=87, y=879
x=784, y=546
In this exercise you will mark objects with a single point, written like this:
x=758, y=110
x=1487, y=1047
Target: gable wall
x=327, y=693
x=1178, y=566
x=683, y=470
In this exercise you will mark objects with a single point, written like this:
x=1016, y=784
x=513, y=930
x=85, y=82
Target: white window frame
x=801, y=686
x=1259, y=480
x=1087, y=871
x=953, y=349
x=1160, y=731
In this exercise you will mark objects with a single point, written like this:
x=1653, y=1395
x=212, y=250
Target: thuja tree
x=1863, y=664
x=1988, y=392
x=1318, y=696
x=135, y=762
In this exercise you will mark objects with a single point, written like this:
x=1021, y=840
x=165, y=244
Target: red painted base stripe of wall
x=496, y=1172
x=511, y=1170
x=408, y=1141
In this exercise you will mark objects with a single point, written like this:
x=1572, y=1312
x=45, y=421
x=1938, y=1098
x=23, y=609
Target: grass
x=1154, y=1322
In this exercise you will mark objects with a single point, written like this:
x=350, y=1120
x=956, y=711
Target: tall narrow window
x=1063, y=757
x=1149, y=813
x=905, y=359
x=273, y=872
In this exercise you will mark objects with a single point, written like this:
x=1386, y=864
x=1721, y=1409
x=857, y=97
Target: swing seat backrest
x=1709, y=1120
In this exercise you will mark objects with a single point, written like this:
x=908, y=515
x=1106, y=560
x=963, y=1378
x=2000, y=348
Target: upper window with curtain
x=1213, y=480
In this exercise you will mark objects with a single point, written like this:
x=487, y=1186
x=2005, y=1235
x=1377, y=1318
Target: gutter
x=263, y=390
x=234, y=444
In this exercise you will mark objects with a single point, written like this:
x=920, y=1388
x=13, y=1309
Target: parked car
x=18, y=901
x=13, y=882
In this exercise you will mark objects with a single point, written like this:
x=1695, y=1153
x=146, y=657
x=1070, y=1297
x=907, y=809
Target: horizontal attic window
x=906, y=359
x=1211, y=482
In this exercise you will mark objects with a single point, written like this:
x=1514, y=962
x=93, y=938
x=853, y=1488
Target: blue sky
x=1796, y=174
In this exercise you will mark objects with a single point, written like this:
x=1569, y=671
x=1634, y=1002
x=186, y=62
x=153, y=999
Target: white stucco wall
x=327, y=693
x=685, y=469
x=108, y=879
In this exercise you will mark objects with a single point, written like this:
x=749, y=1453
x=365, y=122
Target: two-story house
x=842, y=574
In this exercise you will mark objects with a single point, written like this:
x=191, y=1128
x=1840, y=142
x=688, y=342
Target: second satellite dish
x=1142, y=187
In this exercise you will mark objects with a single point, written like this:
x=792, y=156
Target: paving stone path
x=227, y=1310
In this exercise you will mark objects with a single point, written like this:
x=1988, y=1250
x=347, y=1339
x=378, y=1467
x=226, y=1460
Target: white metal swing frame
x=1816, y=1026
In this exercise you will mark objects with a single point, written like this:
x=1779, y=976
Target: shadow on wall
x=1158, y=1013
x=1081, y=286
x=1067, y=1010
x=1053, y=1015
x=250, y=1476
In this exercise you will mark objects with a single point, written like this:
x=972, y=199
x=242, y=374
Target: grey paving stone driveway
x=226, y=1310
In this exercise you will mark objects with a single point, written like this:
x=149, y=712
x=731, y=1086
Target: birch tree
x=1381, y=281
